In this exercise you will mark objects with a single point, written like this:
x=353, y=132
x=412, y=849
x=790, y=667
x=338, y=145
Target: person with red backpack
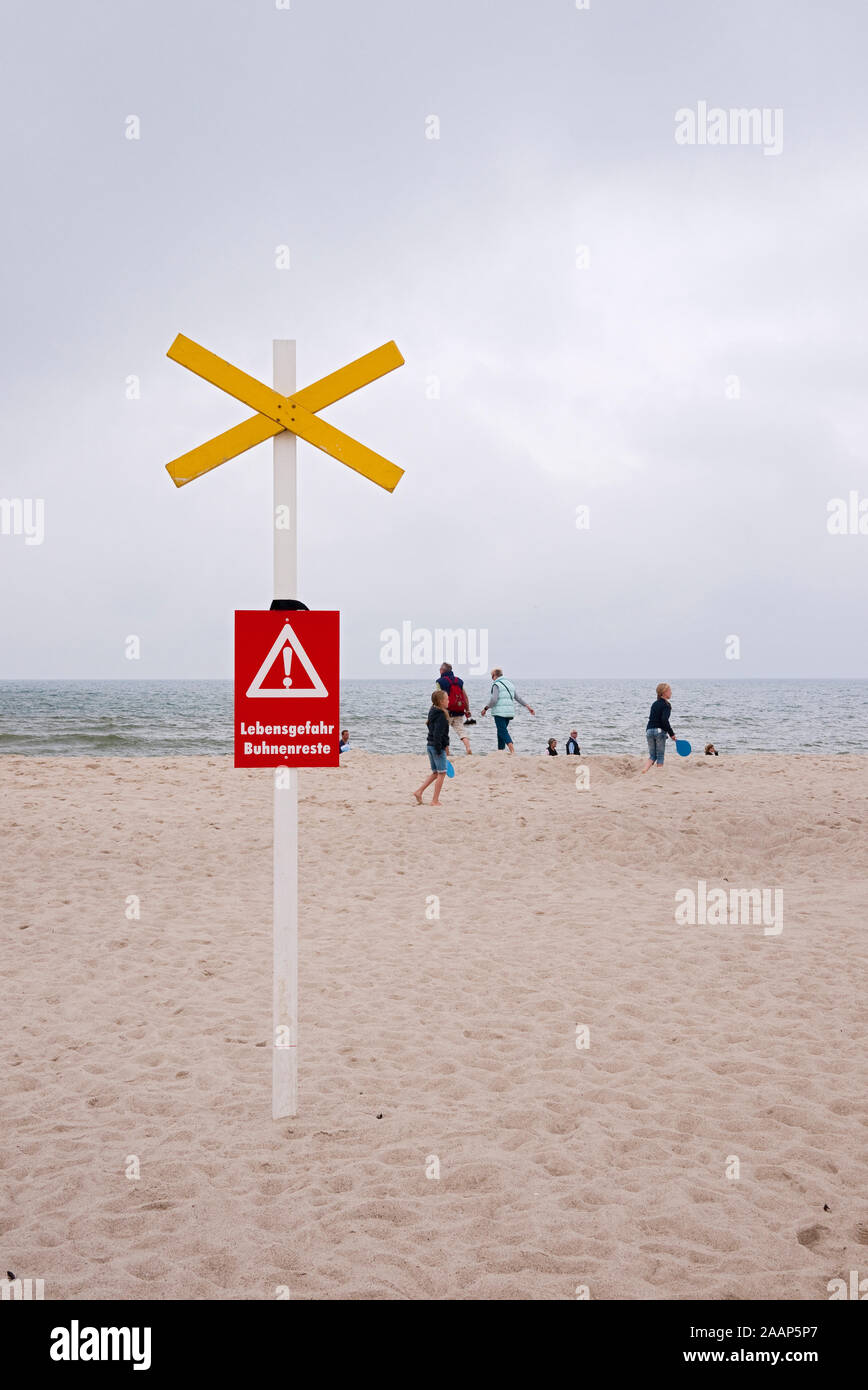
x=458, y=708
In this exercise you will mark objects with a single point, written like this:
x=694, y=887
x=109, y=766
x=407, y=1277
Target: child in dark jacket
x=659, y=728
x=438, y=745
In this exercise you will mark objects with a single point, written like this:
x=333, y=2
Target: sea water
x=141, y=718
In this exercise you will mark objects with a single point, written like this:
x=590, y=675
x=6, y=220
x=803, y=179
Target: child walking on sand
x=659, y=727
x=438, y=745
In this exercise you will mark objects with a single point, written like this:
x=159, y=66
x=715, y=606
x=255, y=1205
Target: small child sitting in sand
x=438, y=745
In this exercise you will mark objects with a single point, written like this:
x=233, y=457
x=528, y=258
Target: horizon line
x=406, y=679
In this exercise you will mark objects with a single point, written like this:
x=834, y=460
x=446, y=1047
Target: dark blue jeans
x=501, y=723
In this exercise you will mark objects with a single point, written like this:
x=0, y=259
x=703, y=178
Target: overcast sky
x=602, y=378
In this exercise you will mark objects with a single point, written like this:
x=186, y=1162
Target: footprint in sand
x=811, y=1236
x=821, y=1240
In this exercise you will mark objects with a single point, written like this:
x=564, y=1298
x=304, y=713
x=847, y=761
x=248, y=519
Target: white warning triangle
x=286, y=638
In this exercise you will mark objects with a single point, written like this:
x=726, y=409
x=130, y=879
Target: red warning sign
x=287, y=689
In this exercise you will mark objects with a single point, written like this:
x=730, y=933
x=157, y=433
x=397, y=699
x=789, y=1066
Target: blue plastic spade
x=450, y=770
x=682, y=747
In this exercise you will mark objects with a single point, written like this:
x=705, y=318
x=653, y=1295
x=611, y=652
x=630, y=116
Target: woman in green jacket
x=502, y=702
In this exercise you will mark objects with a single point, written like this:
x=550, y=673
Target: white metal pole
x=284, y=1094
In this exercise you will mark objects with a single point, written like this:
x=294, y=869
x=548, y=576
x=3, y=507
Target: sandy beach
x=436, y=1044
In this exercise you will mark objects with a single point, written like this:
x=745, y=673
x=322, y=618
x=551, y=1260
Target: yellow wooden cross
x=296, y=413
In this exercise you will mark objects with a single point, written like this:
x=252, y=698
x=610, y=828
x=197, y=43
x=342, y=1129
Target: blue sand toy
x=682, y=747
x=450, y=770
